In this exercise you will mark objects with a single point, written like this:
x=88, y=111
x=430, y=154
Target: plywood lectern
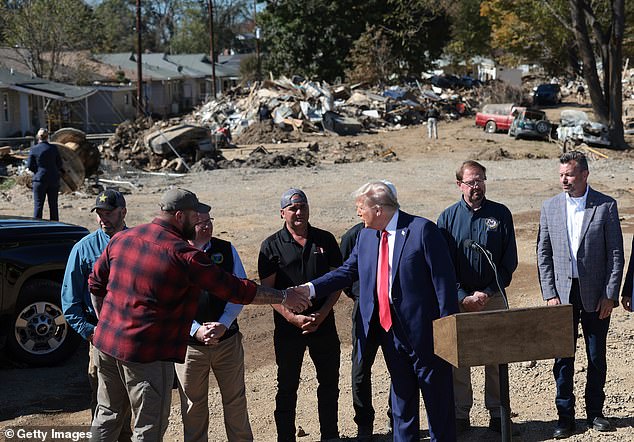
x=502, y=336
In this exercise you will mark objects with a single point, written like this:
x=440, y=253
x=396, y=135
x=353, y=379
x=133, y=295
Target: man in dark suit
x=46, y=164
x=406, y=280
x=580, y=262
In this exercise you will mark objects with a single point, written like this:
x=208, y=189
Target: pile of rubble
x=308, y=106
x=309, y=156
x=272, y=112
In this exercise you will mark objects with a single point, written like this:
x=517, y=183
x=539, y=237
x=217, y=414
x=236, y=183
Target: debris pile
x=300, y=105
x=126, y=145
x=309, y=156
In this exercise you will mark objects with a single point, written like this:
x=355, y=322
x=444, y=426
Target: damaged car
x=577, y=128
x=530, y=123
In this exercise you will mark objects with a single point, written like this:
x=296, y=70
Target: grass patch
x=6, y=183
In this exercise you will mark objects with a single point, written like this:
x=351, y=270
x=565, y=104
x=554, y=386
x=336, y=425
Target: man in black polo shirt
x=295, y=254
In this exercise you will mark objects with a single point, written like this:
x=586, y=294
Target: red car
x=497, y=117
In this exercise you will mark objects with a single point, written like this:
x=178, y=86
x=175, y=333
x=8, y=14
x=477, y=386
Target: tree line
x=375, y=41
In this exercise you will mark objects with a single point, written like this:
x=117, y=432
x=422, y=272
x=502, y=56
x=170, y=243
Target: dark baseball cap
x=109, y=199
x=292, y=196
x=181, y=199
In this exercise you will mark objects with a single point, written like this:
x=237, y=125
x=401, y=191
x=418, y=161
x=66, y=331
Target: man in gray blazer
x=580, y=262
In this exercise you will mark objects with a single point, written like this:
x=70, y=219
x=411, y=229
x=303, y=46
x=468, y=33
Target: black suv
x=33, y=255
x=547, y=93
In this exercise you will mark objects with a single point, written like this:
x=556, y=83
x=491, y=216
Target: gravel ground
x=245, y=206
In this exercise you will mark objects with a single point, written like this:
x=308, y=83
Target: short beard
x=189, y=231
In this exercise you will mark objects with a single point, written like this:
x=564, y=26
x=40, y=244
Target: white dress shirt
x=575, y=208
x=391, y=231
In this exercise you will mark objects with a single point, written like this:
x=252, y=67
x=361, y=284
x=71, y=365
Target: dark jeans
x=324, y=349
x=362, y=362
x=595, y=333
x=42, y=190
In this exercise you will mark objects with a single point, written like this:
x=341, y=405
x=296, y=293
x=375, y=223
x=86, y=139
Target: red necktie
x=383, y=284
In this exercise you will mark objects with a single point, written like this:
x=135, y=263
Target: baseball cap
x=292, y=196
x=181, y=199
x=109, y=199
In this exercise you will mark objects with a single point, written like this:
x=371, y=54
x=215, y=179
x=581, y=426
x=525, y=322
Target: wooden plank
x=503, y=336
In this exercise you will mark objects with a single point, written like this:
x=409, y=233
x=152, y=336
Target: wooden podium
x=502, y=336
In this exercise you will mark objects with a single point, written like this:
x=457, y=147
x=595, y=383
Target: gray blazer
x=599, y=258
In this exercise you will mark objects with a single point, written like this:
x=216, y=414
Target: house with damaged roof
x=173, y=84
x=29, y=102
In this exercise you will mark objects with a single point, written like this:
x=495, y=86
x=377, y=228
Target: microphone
x=473, y=245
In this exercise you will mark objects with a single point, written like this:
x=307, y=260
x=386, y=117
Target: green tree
x=529, y=32
x=43, y=29
x=117, y=21
x=371, y=58
x=418, y=33
x=191, y=32
x=312, y=37
x=470, y=30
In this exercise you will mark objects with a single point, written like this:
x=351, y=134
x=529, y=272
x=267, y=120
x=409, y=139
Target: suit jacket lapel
x=588, y=214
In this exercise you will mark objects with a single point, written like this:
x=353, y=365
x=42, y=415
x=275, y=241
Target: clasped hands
x=297, y=298
x=209, y=333
x=475, y=302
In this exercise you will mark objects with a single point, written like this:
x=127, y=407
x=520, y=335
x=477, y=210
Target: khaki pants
x=126, y=431
x=143, y=388
x=463, y=394
x=226, y=359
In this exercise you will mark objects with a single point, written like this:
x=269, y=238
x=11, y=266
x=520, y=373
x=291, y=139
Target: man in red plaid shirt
x=144, y=290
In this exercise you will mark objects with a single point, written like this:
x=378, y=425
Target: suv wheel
x=542, y=127
x=490, y=127
x=40, y=334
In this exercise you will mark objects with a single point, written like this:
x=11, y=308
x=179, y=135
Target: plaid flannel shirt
x=150, y=279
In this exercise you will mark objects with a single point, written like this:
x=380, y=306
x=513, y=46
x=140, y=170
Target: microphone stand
x=489, y=257
x=505, y=400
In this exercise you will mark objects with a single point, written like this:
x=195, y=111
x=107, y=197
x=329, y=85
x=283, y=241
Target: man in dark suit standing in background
x=406, y=281
x=46, y=164
x=580, y=262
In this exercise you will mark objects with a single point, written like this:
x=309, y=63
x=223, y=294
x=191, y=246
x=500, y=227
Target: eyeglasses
x=205, y=224
x=473, y=184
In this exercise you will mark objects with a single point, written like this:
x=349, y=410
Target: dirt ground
x=521, y=174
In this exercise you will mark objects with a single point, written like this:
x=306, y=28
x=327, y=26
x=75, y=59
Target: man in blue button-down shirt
x=78, y=309
x=490, y=224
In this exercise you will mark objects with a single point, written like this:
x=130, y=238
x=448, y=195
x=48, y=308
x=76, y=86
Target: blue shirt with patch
x=492, y=227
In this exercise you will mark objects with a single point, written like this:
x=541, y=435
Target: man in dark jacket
x=46, y=164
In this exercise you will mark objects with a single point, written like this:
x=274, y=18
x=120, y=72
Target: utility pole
x=256, y=32
x=139, y=69
x=212, y=51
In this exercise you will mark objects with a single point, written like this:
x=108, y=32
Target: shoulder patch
x=217, y=258
x=492, y=223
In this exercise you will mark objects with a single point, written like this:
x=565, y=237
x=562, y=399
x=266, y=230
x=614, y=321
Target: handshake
x=297, y=299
